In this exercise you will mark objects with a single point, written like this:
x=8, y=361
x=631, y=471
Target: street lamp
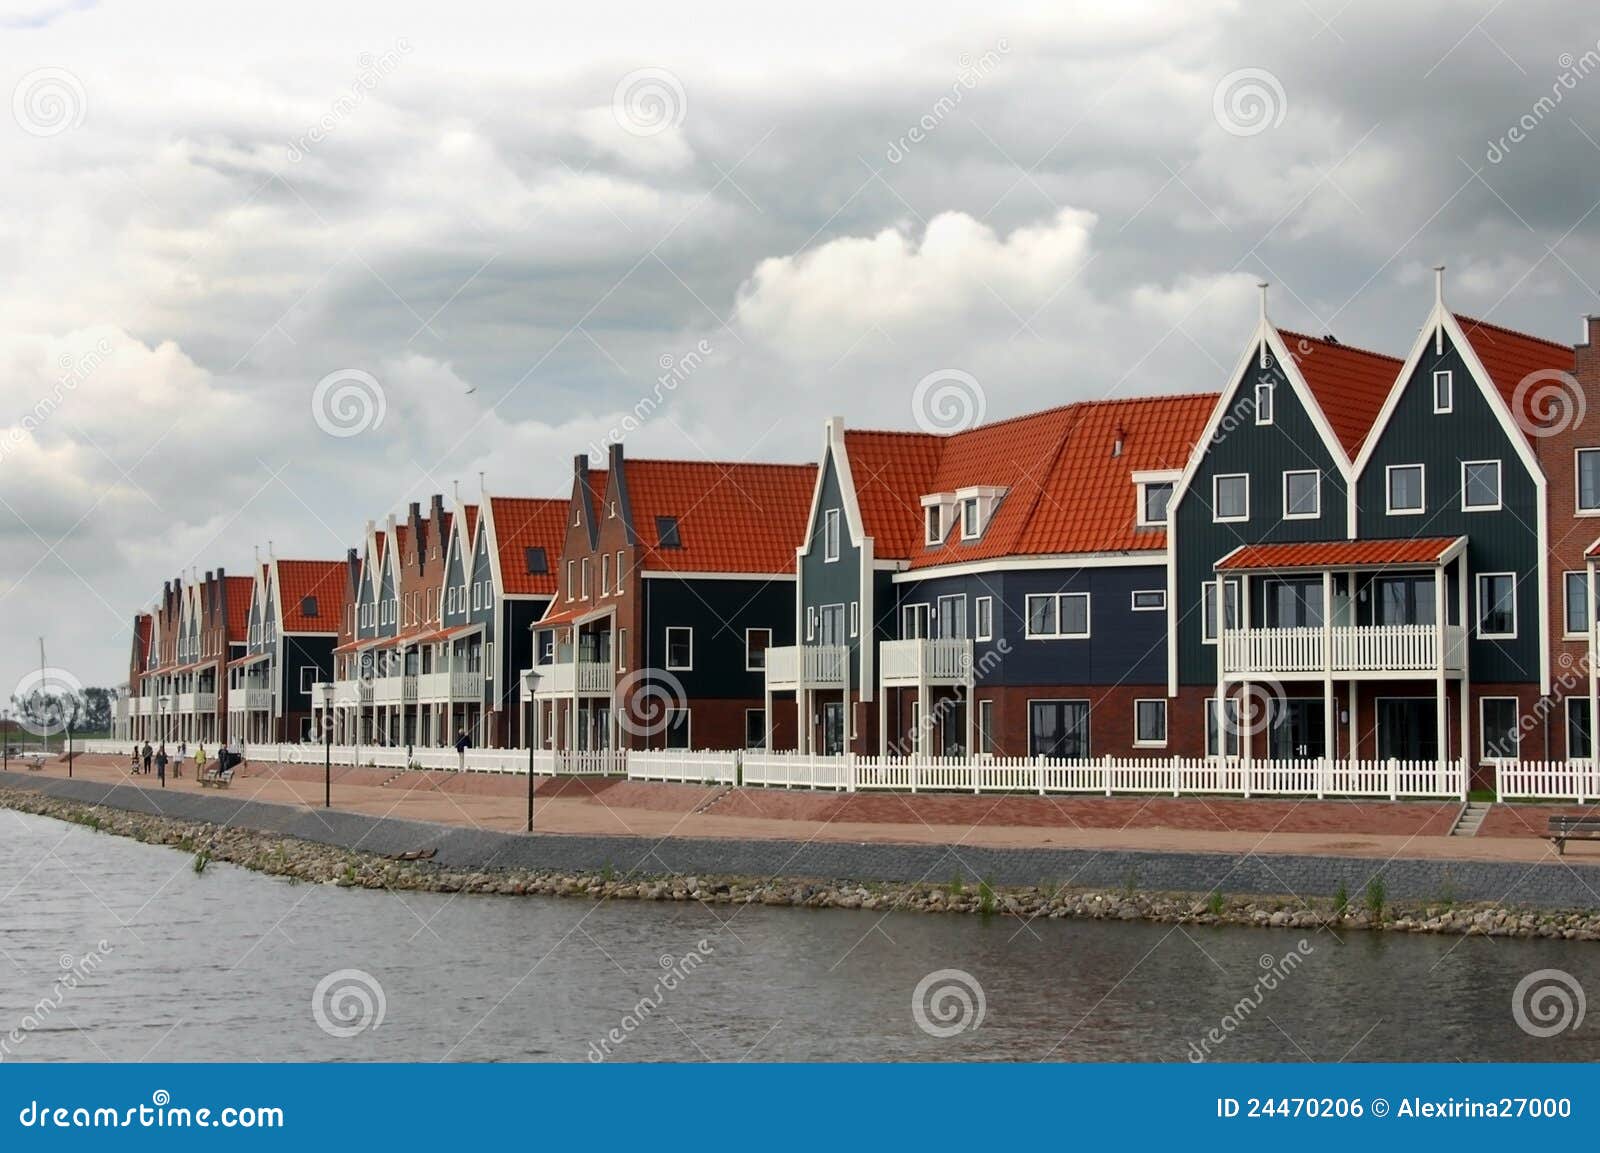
x=325, y=689
x=528, y=679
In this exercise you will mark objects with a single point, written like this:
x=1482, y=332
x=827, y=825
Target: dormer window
x=970, y=525
x=1154, y=497
x=667, y=532
x=935, y=524
x=1263, y=402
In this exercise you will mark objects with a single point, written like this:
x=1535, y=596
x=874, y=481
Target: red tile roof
x=892, y=472
x=733, y=518
x=1593, y=550
x=323, y=579
x=1511, y=358
x=241, y=592
x=1350, y=384
x=522, y=523
x=470, y=511
x=1339, y=553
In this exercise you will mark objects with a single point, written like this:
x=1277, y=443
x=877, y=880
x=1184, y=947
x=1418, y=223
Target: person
x=177, y=764
x=161, y=763
x=133, y=763
x=463, y=743
x=200, y=759
x=147, y=758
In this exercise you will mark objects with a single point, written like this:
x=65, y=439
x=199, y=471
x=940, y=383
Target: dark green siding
x=830, y=583
x=1264, y=453
x=1504, y=541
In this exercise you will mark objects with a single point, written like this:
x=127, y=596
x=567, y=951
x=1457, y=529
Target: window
x=605, y=573
x=308, y=606
x=756, y=642
x=952, y=617
x=855, y=618
x=1497, y=727
x=1578, y=728
x=1577, y=610
x=622, y=650
x=1058, y=615
x=1058, y=729
x=1208, y=609
x=755, y=728
x=986, y=741
x=667, y=532
x=677, y=732
x=1443, y=391
x=680, y=647
x=308, y=677
x=1149, y=600
x=830, y=535
x=913, y=622
x=619, y=570
x=1497, y=604
x=1263, y=402
x=1406, y=489
x=611, y=510
x=1480, y=485
x=1231, y=728
x=1588, y=471
x=1154, y=497
x=583, y=577
x=572, y=579
x=1405, y=600
x=935, y=524
x=1292, y=603
x=477, y=598
x=969, y=519
x=1302, y=495
x=983, y=618
x=811, y=622
x=1150, y=722
x=831, y=622
x=1230, y=498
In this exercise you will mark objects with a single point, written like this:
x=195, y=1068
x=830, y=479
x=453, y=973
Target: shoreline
x=301, y=860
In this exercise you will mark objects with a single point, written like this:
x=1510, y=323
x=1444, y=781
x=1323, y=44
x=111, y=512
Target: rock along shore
x=312, y=862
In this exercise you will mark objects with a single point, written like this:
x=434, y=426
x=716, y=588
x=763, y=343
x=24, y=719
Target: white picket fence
x=708, y=767
x=1107, y=776
x=1547, y=780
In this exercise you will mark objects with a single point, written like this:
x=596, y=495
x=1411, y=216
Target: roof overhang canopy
x=1343, y=555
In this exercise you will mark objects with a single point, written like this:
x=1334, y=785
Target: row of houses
x=1341, y=554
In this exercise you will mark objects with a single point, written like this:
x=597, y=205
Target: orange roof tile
x=521, y=523
x=892, y=472
x=470, y=512
x=1512, y=357
x=1350, y=384
x=323, y=579
x=1339, y=553
x=240, y=592
x=735, y=518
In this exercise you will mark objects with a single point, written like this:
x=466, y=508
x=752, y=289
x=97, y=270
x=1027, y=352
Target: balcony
x=197, y=702
x=1376, y=650
x=350, y=692
x=253, y=698
x=564, y=678
x=144, y=706
x=468, y=686
x=941, y=662
x=791, y=667
x=394, y=690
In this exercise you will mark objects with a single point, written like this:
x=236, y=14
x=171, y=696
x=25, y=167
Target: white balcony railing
x=807, y=666
x=393, y=690
x=466, y=686
x=433, y=686
x=587, y=678
x=936, y=662
x=1343, y=649
x=197, y=702
x=255, y=698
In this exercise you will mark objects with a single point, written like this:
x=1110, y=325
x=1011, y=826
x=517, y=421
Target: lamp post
x=69, y=748
x=325, y=688
x=5, y=737
x=528, y=677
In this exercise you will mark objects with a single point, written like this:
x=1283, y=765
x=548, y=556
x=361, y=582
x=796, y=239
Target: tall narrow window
x=1443, y=391
x=1497, y=605
x=934, y=524
x=1577, y=606
x=1588, y=469
x=1264, y=401
x=680, y=648
x=830, y=535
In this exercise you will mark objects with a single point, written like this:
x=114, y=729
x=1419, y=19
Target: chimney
x=614, y=458
x=1589, y=319
x=1116, y=444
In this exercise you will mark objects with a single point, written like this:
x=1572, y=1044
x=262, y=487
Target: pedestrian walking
x=177, y=764
x=200, y=759
x=463, y=743
x=161, y=764
x=147, y=758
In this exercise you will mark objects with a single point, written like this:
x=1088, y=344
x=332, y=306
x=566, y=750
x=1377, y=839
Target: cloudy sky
x=265, y=276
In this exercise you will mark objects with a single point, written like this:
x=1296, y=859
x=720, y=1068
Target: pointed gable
x=302, y=581
x=1349, y=384
x=725, y=517
x=892, y=471
x=520, y=524
x=1511, y=359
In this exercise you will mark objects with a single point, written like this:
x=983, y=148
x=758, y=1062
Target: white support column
x=1441, y=699
x=922, y=713
x=1465, y=743
x=1329, y=717
x=1594, y=684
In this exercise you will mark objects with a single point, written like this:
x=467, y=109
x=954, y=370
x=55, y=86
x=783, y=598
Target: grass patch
x=1376, y=897
x=1215, y=903
x=201, y=860
x=986, y=899
x=1341, y=900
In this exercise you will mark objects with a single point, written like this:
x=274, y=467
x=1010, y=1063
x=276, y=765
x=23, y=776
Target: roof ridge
x=1464, y=319
x=1336, y=343
x=718, y=463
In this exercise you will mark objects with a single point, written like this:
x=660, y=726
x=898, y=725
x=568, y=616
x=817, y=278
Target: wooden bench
x=216, y=778
x=1564, y=829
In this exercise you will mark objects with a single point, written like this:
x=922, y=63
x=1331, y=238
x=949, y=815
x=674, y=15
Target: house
x=675, y=578
x=1360, y=550
x=997, y=591
x=291, y=626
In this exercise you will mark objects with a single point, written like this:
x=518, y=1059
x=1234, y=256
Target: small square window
x=1302, y=495
x=1154, y=497
x=535, y=561
x=667, y=535
x=1230, y=498
x=1150, y=722
x=1406, y=489
x=1444, y=391
x=1480, y=485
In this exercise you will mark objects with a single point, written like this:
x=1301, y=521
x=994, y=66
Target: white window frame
x=811, y=622
x=1224, y=587
x=583, y=576
x=305, y=685
x=1270, y=389
x=1135, y=606
x=1478, y=614
x=748, y=667
x=933, y=522
x=855, y=618
x=605, y=574
x=1316, y=475
x=915, y=611
x=762, y=713
x=1499, y=491
x=1567, y=733
x=572, y=580
x=830, y=535
x=1150, y=744
x=619, y=649
x=1566, y=604
x=672, y=668
x=1447, y=378
x=1422, y=490
x=1216, y=516
x=1139, y=516
x=620, y=559
x=1060, y=599
x=1483, y=733
x=983, y=618
x=1577, y=483
x=985, y=726
x=969, y=506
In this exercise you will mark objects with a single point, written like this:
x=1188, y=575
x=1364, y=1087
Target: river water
x=227, y=965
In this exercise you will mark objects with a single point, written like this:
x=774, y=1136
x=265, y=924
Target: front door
x=832, y=620
x=1299, y=732
x=833, y=727
x=1408, y=729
